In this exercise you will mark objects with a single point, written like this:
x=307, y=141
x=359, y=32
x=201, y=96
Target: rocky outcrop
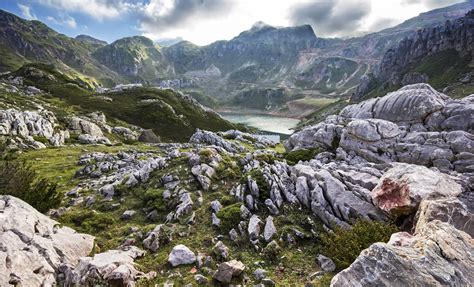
x=33, y=246
x=89, y=132
x=457, y=35
x=210, y=138
x=112, y=268
x=437, y=255
x=109, y=170
x=394, y=68
x=415, y=124
x=26, y=127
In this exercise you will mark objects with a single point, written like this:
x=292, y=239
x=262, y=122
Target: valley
x=274, y=158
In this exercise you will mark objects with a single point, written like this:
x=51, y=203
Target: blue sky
x=206, y=21
x=74, y=23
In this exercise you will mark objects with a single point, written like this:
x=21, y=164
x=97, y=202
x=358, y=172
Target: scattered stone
x=227, y=270
x=221, y=251
x=254, y=227
x=269, y=230
x=128, y=214
x=200, y=279
x=325, y=263
x=181, y=255
x=260, y=274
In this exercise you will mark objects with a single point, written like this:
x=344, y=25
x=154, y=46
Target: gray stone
x=30, y=241
x=403, y=187
x=438, y=255
x=270, y=229
x=227, y=270
x=181, y=255
x=254, y=227
x=110, y=267
x=325, y=263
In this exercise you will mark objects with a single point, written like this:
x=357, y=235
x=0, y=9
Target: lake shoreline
x=256, y=112
x=264, y=122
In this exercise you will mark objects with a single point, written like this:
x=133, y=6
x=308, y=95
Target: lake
x=276, y=124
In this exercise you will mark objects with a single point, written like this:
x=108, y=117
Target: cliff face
x=457, y=35
x=425, y=56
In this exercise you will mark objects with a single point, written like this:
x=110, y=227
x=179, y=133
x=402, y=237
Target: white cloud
x=205, y=21
x=98, y=9
x=64, y=20
x=27, y=12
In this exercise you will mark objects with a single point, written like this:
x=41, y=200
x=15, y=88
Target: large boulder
x=148, y=136
x=112, y=268
x=438, y=255
x=83, y=126
x=402, y=188
x=33, y=246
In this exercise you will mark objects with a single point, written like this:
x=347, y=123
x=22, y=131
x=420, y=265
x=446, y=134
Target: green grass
x=172, y=117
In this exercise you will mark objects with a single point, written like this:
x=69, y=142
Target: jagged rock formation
x=24, y=126
x=437, y=255
x=457, y=35
x=113, y=267
x=453, y=38
x=415, y=124
x=33, y=247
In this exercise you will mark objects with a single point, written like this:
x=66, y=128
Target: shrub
x=229, y=216
x=293, y=157
x=271, y=251
x=20, y=180
x=88, y=221
x=343, y=246
x=263, y=186
x=154, y=198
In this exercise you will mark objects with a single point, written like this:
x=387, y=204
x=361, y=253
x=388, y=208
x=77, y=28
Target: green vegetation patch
x=293, y=157
x=21, y=180
x=229, y=216
x=344, y=245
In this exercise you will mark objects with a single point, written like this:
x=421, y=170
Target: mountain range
x=293, y=59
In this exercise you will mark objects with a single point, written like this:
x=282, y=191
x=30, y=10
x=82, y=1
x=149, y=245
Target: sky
x=205, y=21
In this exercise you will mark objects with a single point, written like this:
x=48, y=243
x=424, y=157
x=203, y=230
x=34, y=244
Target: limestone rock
x=403, y=187
x=181, y=255
x=254, y=227
x=113, y=267
x=33, y=246
x=220, y=251
x=450, y=210
x=227, y=270
x=438, y=255
x=269, y=230
x=206, y=137
x=326, y=263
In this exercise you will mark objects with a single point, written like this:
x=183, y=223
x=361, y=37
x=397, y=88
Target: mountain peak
x=90, y=39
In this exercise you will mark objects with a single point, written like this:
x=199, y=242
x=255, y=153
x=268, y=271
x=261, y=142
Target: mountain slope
x=134, y=57
x=440, y=55
x=23, y=41
x=171, y=115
